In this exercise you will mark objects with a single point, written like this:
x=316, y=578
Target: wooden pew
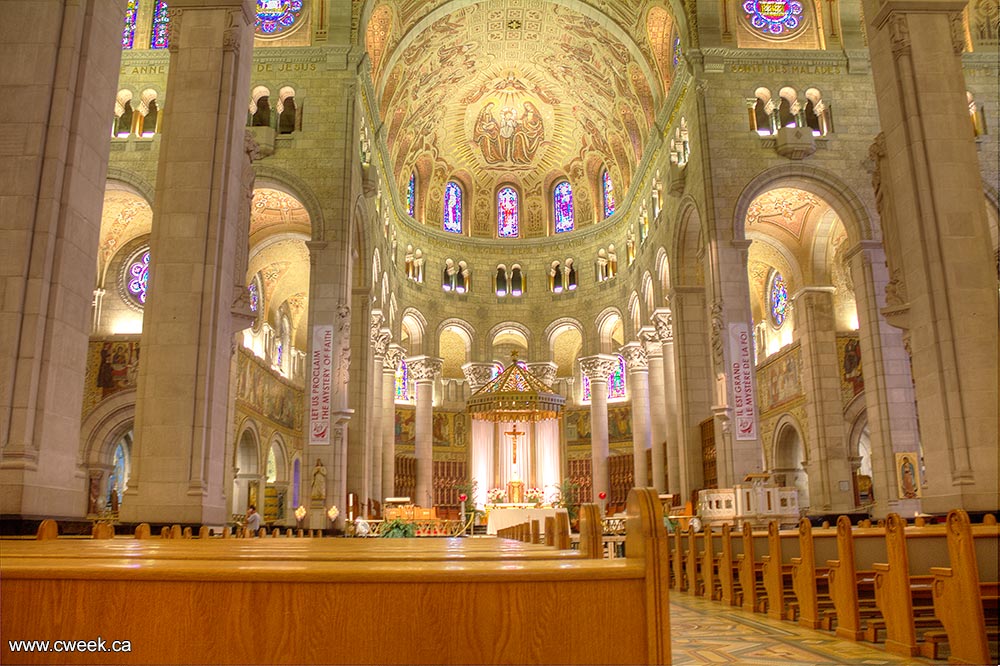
x=679, y=580
x=711, y=555
x=966, y=592
x=903, y=582
x=776, y=569
x=852, y=579
x=692, y=563
x=751, y=585
x=810, y=583
x=732, y=547
x=278, y=611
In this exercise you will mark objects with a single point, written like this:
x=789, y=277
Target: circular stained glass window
x=778, y=299
x=276, y=16
x=135, y=278
x=774, y=19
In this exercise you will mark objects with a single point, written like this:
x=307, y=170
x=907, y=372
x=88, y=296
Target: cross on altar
x=514, y=434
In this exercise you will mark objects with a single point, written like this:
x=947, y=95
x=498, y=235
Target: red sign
x=321, y=385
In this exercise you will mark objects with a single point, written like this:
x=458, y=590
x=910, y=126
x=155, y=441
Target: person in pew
x=253, y=520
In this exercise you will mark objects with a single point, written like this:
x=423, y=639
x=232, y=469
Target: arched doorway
x=789, y=462
x=121, y=467
x=246, y=484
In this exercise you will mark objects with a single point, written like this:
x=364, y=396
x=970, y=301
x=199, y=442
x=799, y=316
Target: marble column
x=929, y=192
x=885, y=367
x=830, y=475
x=54, y=175
x=657, y=407
x=380, y=338
x=424, y=371
x=676, y=453
x=597, y=368
x=189, y=319
x=393, y=356
x=637, y=365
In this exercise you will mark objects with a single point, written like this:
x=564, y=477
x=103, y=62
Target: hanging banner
x=321, y=385
x=741, y=364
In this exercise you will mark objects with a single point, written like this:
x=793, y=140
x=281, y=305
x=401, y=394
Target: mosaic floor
x=705, y=632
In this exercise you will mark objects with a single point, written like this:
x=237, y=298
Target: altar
x=499, y=516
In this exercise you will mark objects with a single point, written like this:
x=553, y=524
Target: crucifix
x=514, y=434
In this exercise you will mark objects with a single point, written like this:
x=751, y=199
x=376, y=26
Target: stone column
x=188, y=324
x=393, y=355
x=638, y=387
x=657, y=406
x=380, y=338
x=931, y=204
x=885, y=367
x=676, y=453
x=597, y=368
x=830, y=482
x=424, y=371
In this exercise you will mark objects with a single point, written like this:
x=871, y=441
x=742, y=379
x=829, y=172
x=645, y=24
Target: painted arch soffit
x=516, y=91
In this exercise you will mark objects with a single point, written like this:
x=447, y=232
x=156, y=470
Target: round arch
x=789, y=456
x=105, y=425
x=510, y=326
x=287, y=182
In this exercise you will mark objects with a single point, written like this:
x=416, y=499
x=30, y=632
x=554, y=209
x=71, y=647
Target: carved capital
x=663, y=323
x=635, y=357
x=598, y=367
x=424, y=368
x=375, y=322
x=650, y=341
x=380, y=343
x=393, y=355
x=477, y=374
x=899, y=34
x=545, y=371
x=957, y=32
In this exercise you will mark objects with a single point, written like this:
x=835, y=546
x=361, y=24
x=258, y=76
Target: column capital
x=635, y=357
x=598, y=367
x=545, y=371
x=663, y=324
x=864, y=248
x=424, y=368
x=650, y=341
x=375, y=321
x=380, y=343
x=477, y=374
x=393, y=355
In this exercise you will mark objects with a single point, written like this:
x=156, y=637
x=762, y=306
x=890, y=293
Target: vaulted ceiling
x=512, y=91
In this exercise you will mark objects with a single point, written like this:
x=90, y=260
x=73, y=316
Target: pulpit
x=515, y=492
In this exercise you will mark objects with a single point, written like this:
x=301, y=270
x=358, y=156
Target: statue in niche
x=318, y=487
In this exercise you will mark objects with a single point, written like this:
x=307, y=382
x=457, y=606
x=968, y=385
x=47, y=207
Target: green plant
x=468, y=488
x=399, y=528
x=569, y=498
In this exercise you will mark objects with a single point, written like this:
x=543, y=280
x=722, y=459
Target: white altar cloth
x=501, y=518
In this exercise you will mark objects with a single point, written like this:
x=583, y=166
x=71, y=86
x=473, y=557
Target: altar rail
x=342, y=600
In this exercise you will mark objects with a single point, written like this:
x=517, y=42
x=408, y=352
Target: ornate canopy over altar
x=515, y=395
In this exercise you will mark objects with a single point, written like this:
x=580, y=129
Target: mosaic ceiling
x=518, y=91
x=125, y=216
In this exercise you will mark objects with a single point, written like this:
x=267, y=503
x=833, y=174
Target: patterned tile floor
x=706, y=632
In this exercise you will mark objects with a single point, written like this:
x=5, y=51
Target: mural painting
x=263, y=393
x=779, y=379
x=849, y=357
x=405, y=427
x=112, y=366
x=576, y=427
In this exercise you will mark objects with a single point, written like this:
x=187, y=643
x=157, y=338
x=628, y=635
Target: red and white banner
x=321, y=385
x=741, y=376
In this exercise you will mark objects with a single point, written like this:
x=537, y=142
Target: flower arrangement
x=534, y=495
x=496, y=496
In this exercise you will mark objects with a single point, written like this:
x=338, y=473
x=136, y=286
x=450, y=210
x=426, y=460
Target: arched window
x=118, y=480
x=609, y=194
x=411, y=194
x=136, y=276
x=287, y=111
x=453, y=207
x=149, y=113
x=778, y=299
x=296, y=480
x=517, y=281
x=160, y=38
x=773, y=18
x=501, y=280
x=762, y=118
x=272, y=466
x=123, y=114
x=254, y=296
x=402, y=382
x=128, y=32
x=562, y=197
x=507, y=217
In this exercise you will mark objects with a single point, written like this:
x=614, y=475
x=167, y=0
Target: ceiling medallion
x=773, y=18
x=275, y=16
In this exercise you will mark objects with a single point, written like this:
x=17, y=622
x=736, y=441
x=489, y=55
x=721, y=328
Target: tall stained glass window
x=402, y=382
x=609, y=193
x=562, y=196
x=453, y=207
x=137, y=277
x=128, y=32
x=778, y=297
x=616, y=381
x=276, y=16
x=507, y=224
x=411, y=194
x=161, y=26
x=773, y=18
x=254, y=296
x=677, y=50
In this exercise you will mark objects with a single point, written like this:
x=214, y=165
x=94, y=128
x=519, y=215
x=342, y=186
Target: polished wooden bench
x=750, y=567
x=729, y=584
x=810, y=582
x=776, y=570
x=233, y=602
x=852, y=578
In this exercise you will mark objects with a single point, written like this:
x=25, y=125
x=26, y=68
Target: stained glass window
x=778, y=299
x=773, y=18
x=507, y=226
x=128, y=32
x=411, y=194
x=402, y=382
x=453, y=207
x=276, y=16
x=296, y=480
x=677, y=50
x=254, y=296
x=616, y=381
x=563, y=198
x=279, y=353
x=161, y=26
x=137, y=277
x=586, y=389
x=609, y=194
